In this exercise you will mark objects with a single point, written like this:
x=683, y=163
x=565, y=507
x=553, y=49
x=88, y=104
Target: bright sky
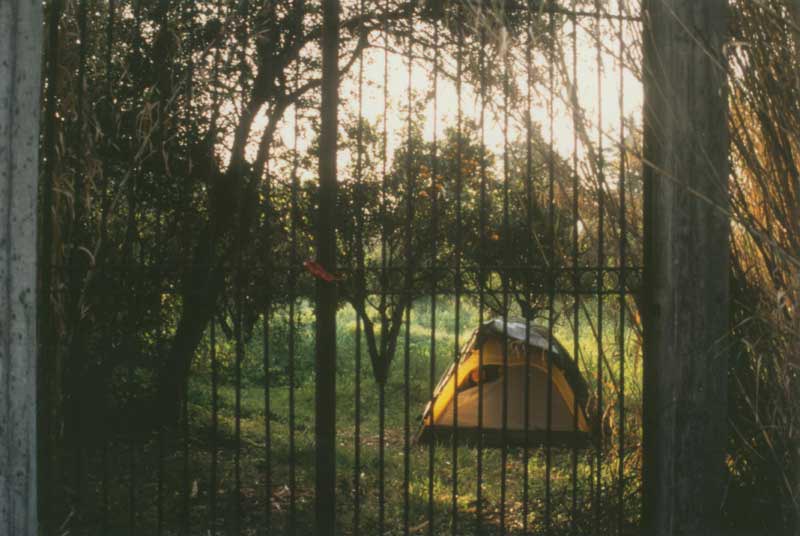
x=588, y=84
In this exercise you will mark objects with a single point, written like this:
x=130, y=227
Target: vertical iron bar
x=458, y=253
x=106, y=505
x=357, y=439
x=162, y=12
x=267, y=407
x=265, y=334
x=161, y=432
x=622, y=269
x=186, y=486
x=112, y=11
x=575, y=251
x=383, y=280
x=186, y=491
x=360, y=266
x=239, y=352
x=112, y=15
x=162, y=21
x=214, y=427
x=381, y=457
x=529, y=234
x=600, y=267
x=242, y=38
x=242, y=34
x=434, y=265
x=76, y=272
x=293, y=263
x=264, y=177
x=213, y=339
x=408, y=279
x=506, y=233
x=190, y=14
x=326, y=292
x=483, y=217
x=49, y=495
x=551, y=274
x=189, y=123
x=137, y=16
x=290, y=374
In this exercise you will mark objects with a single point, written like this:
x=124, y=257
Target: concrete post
x=686, y=266
x=20, y=78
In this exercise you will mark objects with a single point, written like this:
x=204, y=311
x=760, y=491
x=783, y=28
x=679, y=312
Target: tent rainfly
x=480, y=377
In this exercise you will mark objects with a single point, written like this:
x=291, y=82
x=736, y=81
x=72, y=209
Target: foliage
x=171, y=204
x=765, y=189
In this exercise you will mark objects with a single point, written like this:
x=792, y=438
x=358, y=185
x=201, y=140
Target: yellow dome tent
x=568, y=423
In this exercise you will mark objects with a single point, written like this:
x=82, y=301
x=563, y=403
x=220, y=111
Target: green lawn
x=589, y=513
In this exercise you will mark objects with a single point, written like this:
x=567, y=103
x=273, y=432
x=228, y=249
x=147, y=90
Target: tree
x=453, y=214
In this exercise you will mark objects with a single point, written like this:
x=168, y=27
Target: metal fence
x=488, y=169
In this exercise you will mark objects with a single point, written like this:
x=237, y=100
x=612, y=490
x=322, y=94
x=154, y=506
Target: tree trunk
x=686, y=266
x=201, y=292
x=20, y=71
x=205, y=280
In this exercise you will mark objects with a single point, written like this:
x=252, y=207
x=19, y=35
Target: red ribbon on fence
x=318, y=271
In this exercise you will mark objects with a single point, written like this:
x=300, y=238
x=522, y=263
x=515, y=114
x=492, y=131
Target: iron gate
x=480, y=178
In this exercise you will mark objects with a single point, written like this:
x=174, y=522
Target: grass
x=290, y=449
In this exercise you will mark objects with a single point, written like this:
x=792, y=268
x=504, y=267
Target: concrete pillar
x=686, y=266
x=20, y=66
